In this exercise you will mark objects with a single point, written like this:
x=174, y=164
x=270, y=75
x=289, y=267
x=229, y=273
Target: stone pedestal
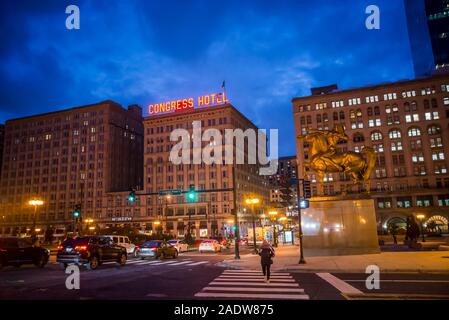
x=339, y=226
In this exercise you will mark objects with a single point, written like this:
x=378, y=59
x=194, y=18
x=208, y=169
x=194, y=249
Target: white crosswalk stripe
x=247, y=284
x=197, y=263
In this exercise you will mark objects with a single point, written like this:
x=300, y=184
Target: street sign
x=174, y=192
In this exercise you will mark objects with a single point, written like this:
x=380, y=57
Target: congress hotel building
x=407, y=123
x=212, y=212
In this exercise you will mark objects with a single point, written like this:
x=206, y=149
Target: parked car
x=16, y=251
x=90, y=251
x=157, y=249
x=180, y=245
x=209, y=245
x=124, y=241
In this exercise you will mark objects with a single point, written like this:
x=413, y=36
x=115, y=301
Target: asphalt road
x=200, y=276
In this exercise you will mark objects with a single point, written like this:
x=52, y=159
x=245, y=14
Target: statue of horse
x=324, y=159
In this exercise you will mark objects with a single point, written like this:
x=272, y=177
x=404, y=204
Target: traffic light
x=307, y=191
x=132, y=196
x=234, y=227
x=77, y=212
x=191, y=194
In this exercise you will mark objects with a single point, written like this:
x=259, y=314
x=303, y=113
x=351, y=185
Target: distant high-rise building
x=428, y=28
x=2, y=138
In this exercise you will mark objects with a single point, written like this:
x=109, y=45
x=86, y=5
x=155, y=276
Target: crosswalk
x=168, y=263
x=249, y=284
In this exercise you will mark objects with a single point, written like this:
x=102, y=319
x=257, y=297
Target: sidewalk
x=405, y=262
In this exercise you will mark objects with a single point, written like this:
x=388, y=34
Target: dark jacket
x=266, y=254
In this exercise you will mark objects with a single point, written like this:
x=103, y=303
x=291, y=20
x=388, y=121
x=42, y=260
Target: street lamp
x=36, y=203
x=273, y=215
x=252, y=202
x=421, y=218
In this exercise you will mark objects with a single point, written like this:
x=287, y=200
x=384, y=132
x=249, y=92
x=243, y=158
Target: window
x=371, y=99
x=432, y=115
x=394, y=134
x=404, y=202
x=445, y=87
x=424, y=201
x=433, y=129
x=390, y=96
x=409, y=94
x=337, y=104
x=436, y=142
x=354, y=101
x=427, y=91
x=358, y=137
x=396, y=146
x=417, y=157
x=414, y=132
x=446, y=101
x=412, y=118
x=383, y=203
x=437, y=155
x=381, y=173
x=440, y=169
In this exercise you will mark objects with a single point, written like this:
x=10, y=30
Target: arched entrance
x=399, y=224
x=437, y=225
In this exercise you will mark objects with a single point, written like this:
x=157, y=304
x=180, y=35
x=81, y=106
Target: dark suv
x=17, y=251
x=90, y=251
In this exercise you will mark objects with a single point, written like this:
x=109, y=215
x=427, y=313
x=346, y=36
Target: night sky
x=150, y=51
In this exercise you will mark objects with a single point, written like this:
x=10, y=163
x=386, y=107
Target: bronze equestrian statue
x=324, y=157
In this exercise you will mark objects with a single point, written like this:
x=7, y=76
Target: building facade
x=69, y=157
x=407, y=123
x=428, y=28
x=2, y=141
x=220, y=187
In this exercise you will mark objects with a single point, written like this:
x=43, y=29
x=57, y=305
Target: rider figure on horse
x=332, y=137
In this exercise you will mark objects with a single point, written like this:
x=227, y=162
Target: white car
x=123, y=241
x=209, y=245
x=181, y=246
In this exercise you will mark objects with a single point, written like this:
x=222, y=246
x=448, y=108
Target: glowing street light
x=252, y=202
x=36, y=203
x=421, y=219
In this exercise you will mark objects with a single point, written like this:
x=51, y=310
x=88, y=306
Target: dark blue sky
x=148, y=51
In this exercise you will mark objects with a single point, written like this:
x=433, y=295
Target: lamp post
x=273, y=215
x=36, y=203
x=252, y=202
x=421, y=218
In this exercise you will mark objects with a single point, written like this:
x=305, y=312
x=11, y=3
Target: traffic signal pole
x=301, y=247
x=236, y=219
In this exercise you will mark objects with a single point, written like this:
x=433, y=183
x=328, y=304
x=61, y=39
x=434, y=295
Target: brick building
x=211, y=213
x=72, y=156
x=407, y=123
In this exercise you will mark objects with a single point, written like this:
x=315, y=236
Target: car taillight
x=81, y=248
x=59, y=248
x=154, y=248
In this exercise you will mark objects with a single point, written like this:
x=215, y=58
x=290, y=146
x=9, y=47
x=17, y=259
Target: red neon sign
x=187, y=103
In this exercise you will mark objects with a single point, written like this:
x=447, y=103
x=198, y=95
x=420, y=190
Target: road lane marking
x=339, y=284
x=145, y=262
x=405, y=281
x=239, y=283
x=163, y=263
x=256, y=276
x=252, y=280
x=197, y=263
x=252, y=295
x=180, y=263
x=249, y=289
x=254, y=272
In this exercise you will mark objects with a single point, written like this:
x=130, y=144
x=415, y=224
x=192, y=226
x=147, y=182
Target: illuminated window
x=432, y=115
x=436, y=142
x=394, y=134
x=414, y=132
x=396, y=146
x=417, y=158
x=48, y=137
x=354, y=101
x=437, y=155
x=371, y=99
x=390, y=96
x=445, y=87
x=446, y=101
x=409, y=94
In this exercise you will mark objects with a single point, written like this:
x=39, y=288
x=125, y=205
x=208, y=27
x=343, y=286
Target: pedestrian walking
x=266, y=254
